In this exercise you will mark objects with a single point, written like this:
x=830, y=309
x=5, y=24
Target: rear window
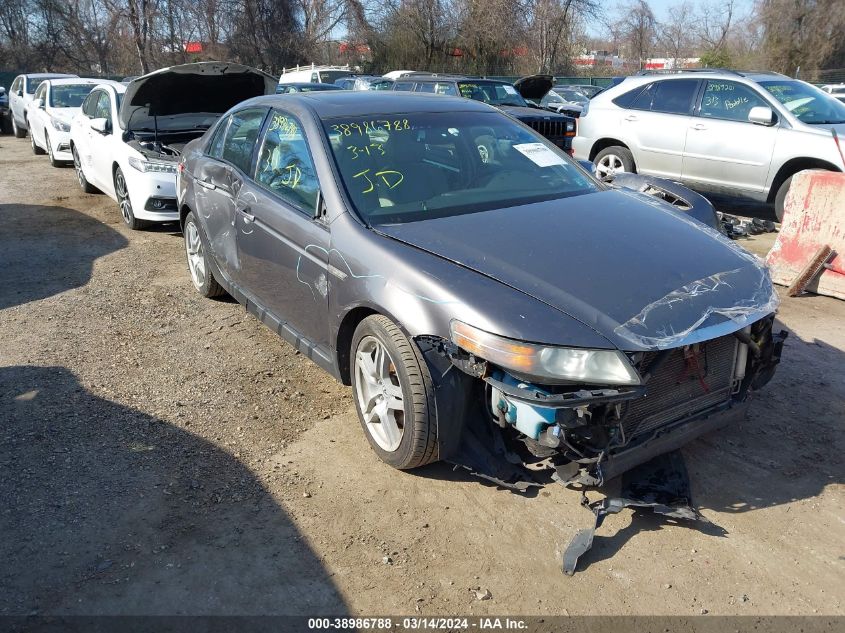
x=69, y=95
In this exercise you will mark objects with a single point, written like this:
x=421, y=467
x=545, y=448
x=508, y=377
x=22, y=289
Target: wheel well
x=344, y=341
x=604, y=143
x=792, y=167
x=183, y=213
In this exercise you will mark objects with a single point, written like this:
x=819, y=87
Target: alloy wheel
x=609, y=166
x=196, y=255
x=123, y=197
x=379, y=393
x=77, y=165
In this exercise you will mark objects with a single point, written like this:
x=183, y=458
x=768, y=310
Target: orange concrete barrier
x=814, y=216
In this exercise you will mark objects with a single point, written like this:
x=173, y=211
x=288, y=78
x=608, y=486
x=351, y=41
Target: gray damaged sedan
x=489, y=302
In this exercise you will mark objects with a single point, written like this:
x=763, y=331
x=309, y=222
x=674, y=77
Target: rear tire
x=387, y=367
x=86, y=186
x=198, y=260
x=614, y=160
x=780, y=198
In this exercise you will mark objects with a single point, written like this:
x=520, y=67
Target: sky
x=661, y=8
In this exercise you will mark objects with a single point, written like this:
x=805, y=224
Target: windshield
x=806, y=102
x=573, y=96
x=69, y=95
x=491, y=92
x=424, y=165
x=331, y=76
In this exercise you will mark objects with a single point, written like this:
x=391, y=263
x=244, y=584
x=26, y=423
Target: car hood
x=64, y=114
x=524, y=113
x=211, y=87
x=534, y=87
x=637, y=272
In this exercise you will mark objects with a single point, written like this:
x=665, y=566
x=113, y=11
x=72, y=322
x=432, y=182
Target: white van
x=314, y=74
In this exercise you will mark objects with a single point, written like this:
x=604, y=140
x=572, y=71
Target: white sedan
x=55, y=103
x=127, y=139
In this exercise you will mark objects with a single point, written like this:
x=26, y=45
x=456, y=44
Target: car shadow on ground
x=108, y=510
x=43, y=263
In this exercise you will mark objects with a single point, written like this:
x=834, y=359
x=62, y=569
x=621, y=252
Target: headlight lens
x=152, y=166
x=59, y=125
x=598, y=366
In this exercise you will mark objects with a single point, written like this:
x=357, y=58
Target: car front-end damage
x=693, y=359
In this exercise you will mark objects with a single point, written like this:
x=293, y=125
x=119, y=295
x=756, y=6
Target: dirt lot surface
x=162, y=453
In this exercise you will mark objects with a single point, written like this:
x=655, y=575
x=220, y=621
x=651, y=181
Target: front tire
x=780, y=198
x=125, y=203
x=198, y=262
x=614, y=160
x=53, y=161
x=16, y=130
x=393, y=394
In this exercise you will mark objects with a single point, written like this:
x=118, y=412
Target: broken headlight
x=596, y=366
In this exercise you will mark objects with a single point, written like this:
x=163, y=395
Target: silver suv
x=742, y=134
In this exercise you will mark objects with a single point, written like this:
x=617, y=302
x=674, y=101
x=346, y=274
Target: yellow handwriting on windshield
x=390, y=177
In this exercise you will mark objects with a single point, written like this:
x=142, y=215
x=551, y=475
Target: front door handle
x=206, y=184
x=699, y=127
x=632, y=117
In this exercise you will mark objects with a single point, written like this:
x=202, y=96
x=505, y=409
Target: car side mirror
x=761, y=115
x=19, y=92
x=100, y=125
x=2, y=90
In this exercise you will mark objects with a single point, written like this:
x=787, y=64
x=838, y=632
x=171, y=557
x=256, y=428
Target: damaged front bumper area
x=589, y=435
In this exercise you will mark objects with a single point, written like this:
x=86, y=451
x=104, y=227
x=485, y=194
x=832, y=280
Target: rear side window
x=425, y=87
x=445, y=89
x=674, y=97
x=284, y=163
x=215, y=148
x=627, y=99
x=241, y=136
x=403, y=85
x=669, y=97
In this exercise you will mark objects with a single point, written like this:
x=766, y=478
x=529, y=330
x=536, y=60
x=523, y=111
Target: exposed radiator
x=684, y=386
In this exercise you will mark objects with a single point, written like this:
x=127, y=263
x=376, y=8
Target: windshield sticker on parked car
x=373, y=149
x=539, y=154
x=284, y=124
x=367, y=127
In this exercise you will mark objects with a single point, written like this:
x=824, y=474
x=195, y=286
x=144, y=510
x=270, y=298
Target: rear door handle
x=699, y=127
x=245, y=212
x=632, y=117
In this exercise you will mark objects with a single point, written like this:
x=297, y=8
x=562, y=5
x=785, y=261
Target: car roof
x=444, y=78
x=74, y=81
x=305, y=84
x=335, y=103
x=47, y=75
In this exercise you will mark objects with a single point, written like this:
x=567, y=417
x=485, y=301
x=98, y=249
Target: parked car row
x=483, y=295
x=744, y=134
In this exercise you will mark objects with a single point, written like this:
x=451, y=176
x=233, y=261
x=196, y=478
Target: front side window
x=409, y=167
x=284, y=163
x=729, y=100
x=425, y=87
x=445, y=89
x=404, y=85
x=241, y=136
x=806, y=102
x=69, y=95
x=41, y=92
x=16, y=84
x=103, y=107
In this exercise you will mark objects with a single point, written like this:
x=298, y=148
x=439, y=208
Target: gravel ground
x=161, y=453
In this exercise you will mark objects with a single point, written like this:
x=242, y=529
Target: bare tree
x=674, y=36
x=637, y=28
